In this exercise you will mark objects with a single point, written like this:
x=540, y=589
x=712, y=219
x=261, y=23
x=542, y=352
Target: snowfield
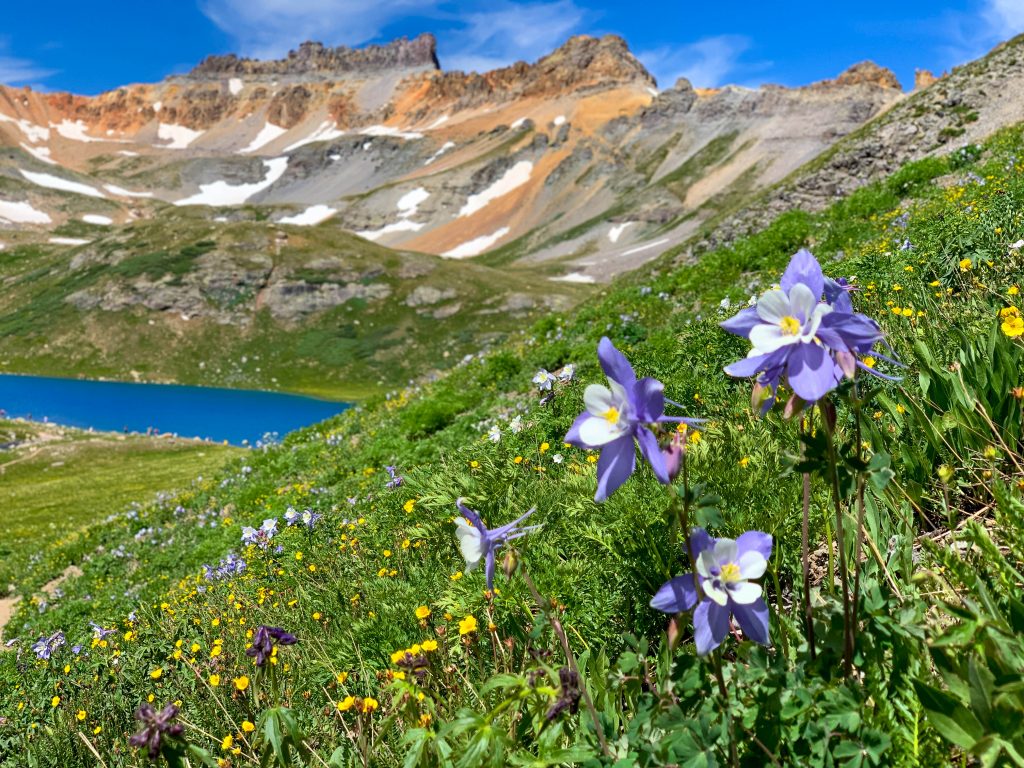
x=407, y=206
x=616, y=232
x=179, y=136
x=34, y=133
x=95, y=218
x=475, y=246
x=55, y=182
x=22, y=213
x=268, y=133
x=513, y=178
x=328, y=131
x=122, y=192
x=310, y=217
x=222, y=193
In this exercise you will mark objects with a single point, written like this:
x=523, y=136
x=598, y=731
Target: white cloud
x=270, y=28
x=706, y=63
x=484, y=36
x=17, y=71
x=1005, y=17
x=502, y=33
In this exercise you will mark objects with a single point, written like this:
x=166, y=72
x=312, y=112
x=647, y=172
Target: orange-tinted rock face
x=869, y=73
x=923, y=78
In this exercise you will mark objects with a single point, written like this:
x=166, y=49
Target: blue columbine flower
x=726, y=569
x=543, y=380
x=45, y=647
x=814, y=343
x=478, y=543
x=617, y=415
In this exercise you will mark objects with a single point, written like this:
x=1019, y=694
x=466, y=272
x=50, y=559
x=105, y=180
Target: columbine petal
x=699, y=541
x=614, y=364
x=489, y=568
x=725, y=551
x=754, y=541
x=707, y=563
x=648, y=400
x=753, y=620
x=742, y=322
x=802, y=302
x=617, y=462
x=649, y=448
x=714, y=592
x=598, y=399
x=573, y=435
x=595, y=431
x=744, y=592
x=676, y=595
x=803, y=269
x=773, y=306
x=752, y=565
x=769, y=338
x=811, y=372
x=710, y=625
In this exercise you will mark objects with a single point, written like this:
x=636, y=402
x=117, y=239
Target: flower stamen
x=790, y=325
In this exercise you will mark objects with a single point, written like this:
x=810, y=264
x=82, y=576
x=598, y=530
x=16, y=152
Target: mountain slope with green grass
x=404, y=658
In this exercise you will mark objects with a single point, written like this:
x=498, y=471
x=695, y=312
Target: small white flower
x=543, y=380
x=557, y=458
x=566, y=374
x=494, y=434
x=516, y=425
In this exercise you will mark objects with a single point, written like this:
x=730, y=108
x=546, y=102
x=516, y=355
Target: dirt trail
x=9, y=604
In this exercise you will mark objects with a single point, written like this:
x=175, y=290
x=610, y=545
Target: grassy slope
x=58, y=481
x=345, y=352
x=349, y=588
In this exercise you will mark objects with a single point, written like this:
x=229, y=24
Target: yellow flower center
x=730, y=572
x=611, y=415
x=790, y=325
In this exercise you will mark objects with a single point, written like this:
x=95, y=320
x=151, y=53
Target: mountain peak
x=868, y=73
x=313, y=58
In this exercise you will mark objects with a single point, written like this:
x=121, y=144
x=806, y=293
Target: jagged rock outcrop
x=315, y=60
x=923, y=78
x=867, y=73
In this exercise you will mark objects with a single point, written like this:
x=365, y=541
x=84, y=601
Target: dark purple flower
x=155, y=726
x=814, y=343
x=478, y=543
x=263, y=641
x=725, y=569
x=617, y=415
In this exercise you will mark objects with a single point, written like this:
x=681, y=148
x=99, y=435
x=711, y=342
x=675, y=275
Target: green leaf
x=951, y=719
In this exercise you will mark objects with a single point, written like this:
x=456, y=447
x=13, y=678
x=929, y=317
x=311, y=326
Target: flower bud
x=510, y=563
x=673, y=455
x=945, y=473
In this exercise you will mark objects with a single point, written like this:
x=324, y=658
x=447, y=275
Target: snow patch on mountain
x=267, y=134
x=310, y=217
x=476, y=246
x=512, y=179
x=327, y=131
x=22, y=213
x=64, y=185
x=222, y=193
x=179, y=136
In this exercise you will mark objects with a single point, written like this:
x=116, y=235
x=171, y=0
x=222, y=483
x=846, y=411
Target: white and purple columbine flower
x=260, y=536
x=726, y=569
x=617, y=415
x=814, y=343
x=45, y=647
x=543, y=380
x=396, y=479
x=478, y=543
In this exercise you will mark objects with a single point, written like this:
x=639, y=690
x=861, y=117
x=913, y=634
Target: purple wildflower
x=155, y=726
x=725, y=569
x=395, y=480
x=45, y=647
x=616, y=416
x=310, y=518
x=793, y=332
x=263, y=641
x=478, y=543
x=260, y=536
x=291, y=516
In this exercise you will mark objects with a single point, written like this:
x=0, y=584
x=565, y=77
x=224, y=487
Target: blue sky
x=88, y=47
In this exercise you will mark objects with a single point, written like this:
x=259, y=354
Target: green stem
x=556, y=625
x=723, y=692
x=833, y=462
x=805, y=555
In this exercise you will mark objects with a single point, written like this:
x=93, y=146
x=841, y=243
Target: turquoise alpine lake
x=235, y=415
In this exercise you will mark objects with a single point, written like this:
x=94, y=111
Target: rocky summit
x=563, y=172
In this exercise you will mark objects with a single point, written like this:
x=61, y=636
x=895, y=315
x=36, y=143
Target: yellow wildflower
x=467, y=625
x=241, y=683
x=422, y=612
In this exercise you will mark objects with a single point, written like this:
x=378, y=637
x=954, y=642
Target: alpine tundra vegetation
x=758, y=502
x=851, y=557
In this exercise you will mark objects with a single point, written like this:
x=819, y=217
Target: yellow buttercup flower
x=157, y=673
x=467, y=625
x=369, y=705
x=241, y=683
x=422, y=612
x=227, y=743
x=346, y=704
x=248, y=727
